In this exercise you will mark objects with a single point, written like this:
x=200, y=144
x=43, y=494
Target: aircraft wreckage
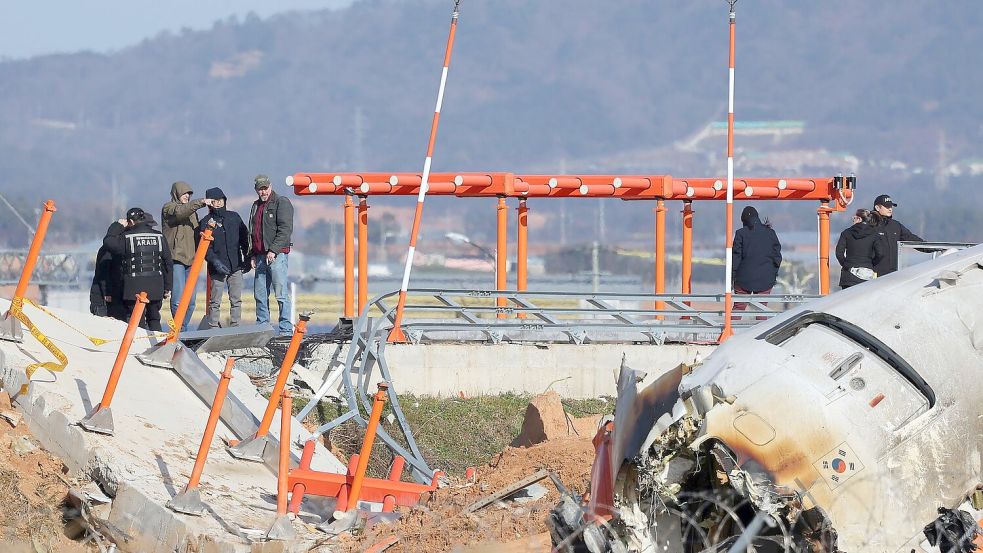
x=852, y=424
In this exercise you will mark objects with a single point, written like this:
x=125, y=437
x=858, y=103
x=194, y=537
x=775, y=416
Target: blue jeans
x=180, y=276
x=273, y=276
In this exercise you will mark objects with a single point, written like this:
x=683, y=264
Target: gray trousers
x=219, y=283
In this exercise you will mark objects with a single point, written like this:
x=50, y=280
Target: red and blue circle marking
x=839, y=465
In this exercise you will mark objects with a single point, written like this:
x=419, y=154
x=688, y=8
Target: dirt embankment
x=33, y=489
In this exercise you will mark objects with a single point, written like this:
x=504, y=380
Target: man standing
x=892, y=232
x=180, y=226
x=226, y=257
x=146, y=263
x=271, y=222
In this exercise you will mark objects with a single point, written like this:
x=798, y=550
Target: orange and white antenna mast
x=396, y=335
x=729, y=265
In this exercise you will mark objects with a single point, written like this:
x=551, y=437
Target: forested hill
x=533, y=86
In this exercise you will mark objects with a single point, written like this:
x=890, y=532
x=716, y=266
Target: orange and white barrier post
x=101, y=418
x=396, y=335
x=729, y=265
x=281, y=528
x=10, y=327
x=189, y=501
x=254, y=448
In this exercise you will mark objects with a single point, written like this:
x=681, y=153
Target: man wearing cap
x=892, y=232
x=271, y=223
x=146, y=263
x=226, y=257
x=180, y=226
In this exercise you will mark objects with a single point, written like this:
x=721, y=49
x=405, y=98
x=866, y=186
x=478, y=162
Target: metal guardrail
x=52, y=269
x=471, y=315
x=908, y=252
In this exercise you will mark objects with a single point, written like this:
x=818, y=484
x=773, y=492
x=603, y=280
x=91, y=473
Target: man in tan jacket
x=180, y=227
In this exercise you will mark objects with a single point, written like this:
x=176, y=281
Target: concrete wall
x=574, y=371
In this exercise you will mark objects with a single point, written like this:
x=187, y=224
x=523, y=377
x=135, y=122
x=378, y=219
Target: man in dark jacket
x=147, y=263
x=893, y=232
x=757, y=255
x=859, y=249
x=226, y=257
x=179, y=223
x=271, y=223
x=106, y=292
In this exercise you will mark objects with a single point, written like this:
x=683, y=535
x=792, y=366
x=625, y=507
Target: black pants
x=151, y=314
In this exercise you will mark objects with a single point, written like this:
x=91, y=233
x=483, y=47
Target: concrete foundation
x=574, y=371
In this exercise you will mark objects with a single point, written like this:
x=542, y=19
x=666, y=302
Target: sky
x=40, y=27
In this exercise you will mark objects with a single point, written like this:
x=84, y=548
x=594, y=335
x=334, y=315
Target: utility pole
x=596, y=266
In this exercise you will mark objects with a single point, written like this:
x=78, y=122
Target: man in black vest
x=146, y=263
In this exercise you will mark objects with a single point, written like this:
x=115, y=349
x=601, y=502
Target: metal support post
x=363, y=253
x=501, y=255
x=10, y=328
x=101, y=418
x=349, y=257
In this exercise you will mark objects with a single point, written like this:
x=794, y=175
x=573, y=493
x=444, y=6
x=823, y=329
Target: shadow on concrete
x=166, y=476
x=234, y=530
x=84, y=395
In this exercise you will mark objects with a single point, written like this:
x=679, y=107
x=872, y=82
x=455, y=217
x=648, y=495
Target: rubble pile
x=557, y=443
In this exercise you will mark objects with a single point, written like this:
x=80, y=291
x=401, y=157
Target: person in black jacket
x=106, y=292
x=893, y=232
x=146, y=263
x=859, y=249
x=757, y=255
x=226, y=257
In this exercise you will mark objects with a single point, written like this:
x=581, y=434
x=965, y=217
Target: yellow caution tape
x=17, y=311
x=95, y=341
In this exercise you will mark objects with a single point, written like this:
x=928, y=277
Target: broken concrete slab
x=158, y=423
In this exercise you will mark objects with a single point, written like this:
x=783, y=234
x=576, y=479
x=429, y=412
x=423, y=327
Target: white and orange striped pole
x=396, y=335
x=728, y=277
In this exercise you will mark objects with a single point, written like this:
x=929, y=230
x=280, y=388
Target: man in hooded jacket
x=226, y=257
x=146, y=263
x=180, y=228
x=757, y=256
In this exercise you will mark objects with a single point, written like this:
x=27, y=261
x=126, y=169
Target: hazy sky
x=38, y=27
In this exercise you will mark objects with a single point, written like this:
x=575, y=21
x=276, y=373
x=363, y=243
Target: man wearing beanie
x=271, y=223
x=226, y=257
x=179, y=223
